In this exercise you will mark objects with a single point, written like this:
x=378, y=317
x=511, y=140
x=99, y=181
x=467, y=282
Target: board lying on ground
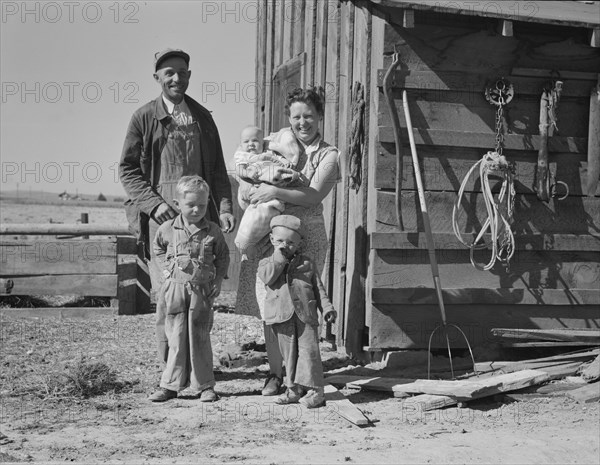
x=337, y=402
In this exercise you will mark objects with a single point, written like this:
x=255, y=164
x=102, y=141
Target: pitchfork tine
x=430, y=246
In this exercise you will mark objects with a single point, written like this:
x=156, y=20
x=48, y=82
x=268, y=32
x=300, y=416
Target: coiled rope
x=502, y=238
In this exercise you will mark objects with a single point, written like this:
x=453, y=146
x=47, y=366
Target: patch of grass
x=83, y=380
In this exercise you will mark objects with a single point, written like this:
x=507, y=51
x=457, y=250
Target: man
x=171, y=137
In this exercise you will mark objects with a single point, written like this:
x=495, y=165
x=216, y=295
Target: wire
x=491, y=164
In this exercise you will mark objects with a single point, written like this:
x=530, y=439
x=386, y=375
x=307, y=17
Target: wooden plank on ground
x=338, y=403
x=56, y=257
x=586, y=394
x=474, y=388
x=561, y=335
x=102, y=285
x=537, y=363
x=369, y=383
x=486, y=387
x=592, y=372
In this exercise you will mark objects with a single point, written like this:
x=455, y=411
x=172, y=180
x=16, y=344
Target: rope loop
x=498, y=224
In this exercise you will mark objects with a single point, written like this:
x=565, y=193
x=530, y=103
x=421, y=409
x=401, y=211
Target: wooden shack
x=379, y=273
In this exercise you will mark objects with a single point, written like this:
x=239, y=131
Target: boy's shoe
x=208, y=395
x=272, y=385
x=291, y=396
x=314, y=398
x=162, y=395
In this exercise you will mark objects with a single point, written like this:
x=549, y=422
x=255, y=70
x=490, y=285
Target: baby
x=261, y=160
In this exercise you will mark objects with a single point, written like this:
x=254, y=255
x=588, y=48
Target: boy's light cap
x=167, y=53
x=290, y=222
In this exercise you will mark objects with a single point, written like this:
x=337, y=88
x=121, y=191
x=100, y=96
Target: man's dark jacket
x=138, y=169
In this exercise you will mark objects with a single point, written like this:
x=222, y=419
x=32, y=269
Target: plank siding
x=270, y=53
x=346, y=54
x=357, y=219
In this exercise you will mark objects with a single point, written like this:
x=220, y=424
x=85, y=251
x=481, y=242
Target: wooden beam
x=591, y=372
x=474, y=388
x=448, y=241
x=57, y=257
x=560, y=335
x=103, y=285
x=77, y=229
x=486, y=387
x=574, y=215
x=537, y=363
x=445, y=169
x=425, y=295
x=410, y=326
x=482, y=140
x=80, y=313
x=586, y=394
x=338, y=403
x=472, y=82
x=593, y=150
x=373, y=383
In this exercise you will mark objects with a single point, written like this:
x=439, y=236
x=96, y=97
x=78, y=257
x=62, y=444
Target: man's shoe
x=314, y=398
x=208, y=395
x=272, y=386
x=162, y=395
x=290, y=396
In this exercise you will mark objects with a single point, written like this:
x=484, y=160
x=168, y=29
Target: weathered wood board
x=445, y=168
x=55, y=257
x=574, y=215
x=409, y=326
x=104, y=285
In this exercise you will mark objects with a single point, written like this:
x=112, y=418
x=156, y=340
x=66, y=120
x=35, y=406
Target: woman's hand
x=262, y=194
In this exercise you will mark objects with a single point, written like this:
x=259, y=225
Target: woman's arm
x=321, y=184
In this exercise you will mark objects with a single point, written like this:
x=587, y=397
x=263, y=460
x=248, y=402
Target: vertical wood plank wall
x=554, y=277
x=335, y=37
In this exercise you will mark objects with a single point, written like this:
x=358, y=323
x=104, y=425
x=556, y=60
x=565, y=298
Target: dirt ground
x=43, y=424
x=43, y=421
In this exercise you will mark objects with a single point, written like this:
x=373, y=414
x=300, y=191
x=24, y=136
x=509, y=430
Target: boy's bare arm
x=323, y=302
x=271, y=267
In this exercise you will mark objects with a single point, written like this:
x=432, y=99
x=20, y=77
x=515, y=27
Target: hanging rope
x=502, y=238
x=357, y=136
x=493, y=164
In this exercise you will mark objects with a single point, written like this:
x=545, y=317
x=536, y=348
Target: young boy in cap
x=294, y=291
x=194, y=258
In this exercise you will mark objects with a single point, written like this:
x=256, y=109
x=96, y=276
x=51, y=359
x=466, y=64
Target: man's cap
x=168, y=53
x=290, y=222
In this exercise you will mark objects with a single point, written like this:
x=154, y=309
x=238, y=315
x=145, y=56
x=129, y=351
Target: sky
x=73, y=73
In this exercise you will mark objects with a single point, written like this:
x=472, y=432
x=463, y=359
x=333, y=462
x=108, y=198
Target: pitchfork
x=431, y=248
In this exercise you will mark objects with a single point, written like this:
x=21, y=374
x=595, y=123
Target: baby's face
x=252, y=140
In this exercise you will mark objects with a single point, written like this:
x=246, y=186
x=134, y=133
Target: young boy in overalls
x=294, y=292
x=194, y=258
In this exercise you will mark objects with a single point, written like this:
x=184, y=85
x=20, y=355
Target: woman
x=319, y=162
